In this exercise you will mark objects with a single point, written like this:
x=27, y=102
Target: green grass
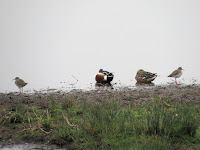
x=112, y=125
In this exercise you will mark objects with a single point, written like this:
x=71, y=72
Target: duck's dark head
x=100, y=70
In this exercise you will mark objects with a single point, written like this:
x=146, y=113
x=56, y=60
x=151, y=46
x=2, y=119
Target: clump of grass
x=109, y=125
x=46, y=125
x=106, y=126
x=151, y=143
x=16, y=118
x=178, y=120
x=68, y=103
x=112, y=125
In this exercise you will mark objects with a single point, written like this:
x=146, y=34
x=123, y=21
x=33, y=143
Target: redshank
x=176, y=74
x=20, y=83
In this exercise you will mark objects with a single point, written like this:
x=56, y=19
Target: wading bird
x=176, y=74
x=20, y=83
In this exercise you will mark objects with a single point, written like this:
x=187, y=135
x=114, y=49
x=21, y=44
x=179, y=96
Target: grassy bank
x=108, y=124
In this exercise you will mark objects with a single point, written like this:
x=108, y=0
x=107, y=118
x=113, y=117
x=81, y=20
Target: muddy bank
x=11, y=102
x=139, y=95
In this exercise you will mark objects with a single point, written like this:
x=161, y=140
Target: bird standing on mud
x=176, y=74
x=20, y=83
x=104, y=77
x=144, y=76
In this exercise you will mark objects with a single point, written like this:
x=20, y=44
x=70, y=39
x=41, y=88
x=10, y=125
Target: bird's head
x=100, y=70
x=180, y=68
x=16, y=78
x=139, y=71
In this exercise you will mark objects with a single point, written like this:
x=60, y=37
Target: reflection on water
x=79, y=82
x=29, y=147
x=103, y=86
x=137, y=84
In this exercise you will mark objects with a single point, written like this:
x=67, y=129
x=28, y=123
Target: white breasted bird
x=104, y=77
x=20, y=83
x=176, y=74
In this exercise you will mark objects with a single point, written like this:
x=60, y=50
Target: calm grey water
x=89, y=83
x=29, y=147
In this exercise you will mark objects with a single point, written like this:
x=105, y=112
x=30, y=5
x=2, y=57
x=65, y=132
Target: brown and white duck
x=144, y=76
x=104, y=77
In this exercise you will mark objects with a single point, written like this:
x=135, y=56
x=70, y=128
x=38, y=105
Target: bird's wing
x=107, y=73
x=22, y=82
x=148, y=75
x=175, y=72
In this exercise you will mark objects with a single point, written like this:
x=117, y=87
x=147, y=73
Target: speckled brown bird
x=20, y=83
x=176, y=74
x=144, y=76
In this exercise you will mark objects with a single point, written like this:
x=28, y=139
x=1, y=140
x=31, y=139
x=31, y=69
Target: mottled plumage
x=144, y=76
x=176, y=73
x=20, y=83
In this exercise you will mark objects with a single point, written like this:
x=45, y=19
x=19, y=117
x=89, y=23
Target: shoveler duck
x=104, y=77
x=144, y=76
x=20, y=83
x=176, y=74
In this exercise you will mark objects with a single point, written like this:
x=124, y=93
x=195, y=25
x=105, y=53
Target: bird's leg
x=19, y=90
x=22, y=89
x=176, y=81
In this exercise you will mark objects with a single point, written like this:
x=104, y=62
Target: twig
x=75, y=78
x=29, y=121
x=43, y=131
x=34, y=112
x=168, y=105
x=28, y=128
x=74, y=82
x=71, y=125
x=48, y=115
